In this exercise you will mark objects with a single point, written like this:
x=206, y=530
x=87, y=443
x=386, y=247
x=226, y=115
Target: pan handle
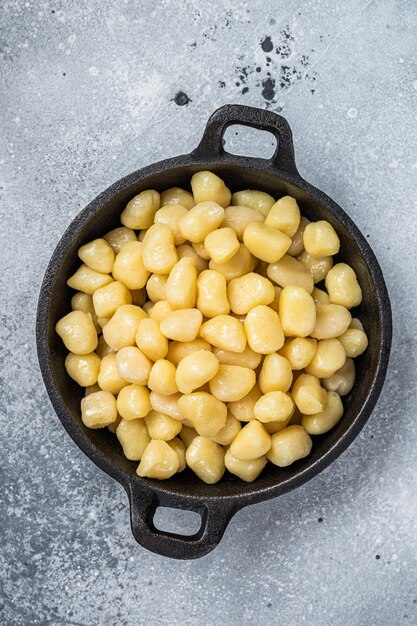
x=214, y=520
x=211, y=144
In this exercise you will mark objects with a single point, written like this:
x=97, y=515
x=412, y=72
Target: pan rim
x=251, y=494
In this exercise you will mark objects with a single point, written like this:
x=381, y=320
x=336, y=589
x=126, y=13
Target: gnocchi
x=202, y=335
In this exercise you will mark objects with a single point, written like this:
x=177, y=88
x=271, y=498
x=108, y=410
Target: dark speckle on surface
x=181, y=99
x=284, y=47
x=268, y=88
x=276, y=75
x=377, y=556
x=289, y=75
x=286, y=33
x=222, y=84
x=320, y=519
x=245, y=90
x=266, y=44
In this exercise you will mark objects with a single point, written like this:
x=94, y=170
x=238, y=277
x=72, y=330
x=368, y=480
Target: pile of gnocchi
x=201, y=337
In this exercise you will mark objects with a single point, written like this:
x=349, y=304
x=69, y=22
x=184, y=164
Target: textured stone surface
x=92, y=90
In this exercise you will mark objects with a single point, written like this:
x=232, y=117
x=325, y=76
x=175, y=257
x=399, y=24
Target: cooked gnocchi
x=213, y=331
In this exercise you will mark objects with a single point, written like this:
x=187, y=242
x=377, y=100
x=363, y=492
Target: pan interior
x=102, y=216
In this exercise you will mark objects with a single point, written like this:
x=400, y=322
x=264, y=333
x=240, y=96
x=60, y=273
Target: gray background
x=88, y=95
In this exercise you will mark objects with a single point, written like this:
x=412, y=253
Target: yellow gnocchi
x=202, y=335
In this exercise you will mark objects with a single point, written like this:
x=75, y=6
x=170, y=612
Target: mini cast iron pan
x=215, y=503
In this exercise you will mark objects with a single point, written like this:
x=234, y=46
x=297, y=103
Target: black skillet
x=215, y=503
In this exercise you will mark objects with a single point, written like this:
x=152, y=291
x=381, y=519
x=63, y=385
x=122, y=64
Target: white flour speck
x=352, y=113
x=93, y=71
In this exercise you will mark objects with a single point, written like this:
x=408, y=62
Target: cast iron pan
x=215, y=503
